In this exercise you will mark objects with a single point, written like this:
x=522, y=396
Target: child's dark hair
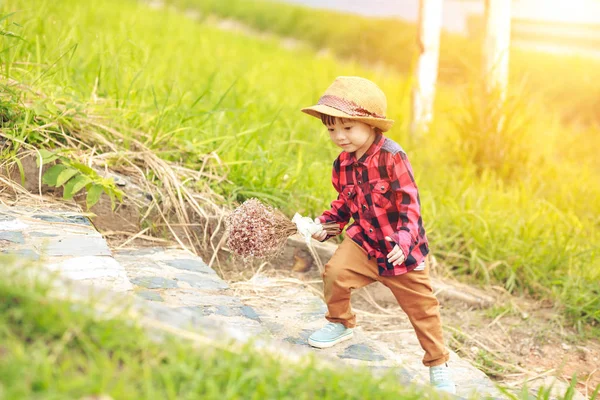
x=330, y=120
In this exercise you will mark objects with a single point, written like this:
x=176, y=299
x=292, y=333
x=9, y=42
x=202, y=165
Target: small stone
x=150, y=295
x=361, y=352
x=79, y=220
x=71, y=219
x=190, y=265
x=154, y=282
x=206, y=310
x=565, y=346
x=249, y=312
x=50, y=218
x=12, y=236
x=228, y=311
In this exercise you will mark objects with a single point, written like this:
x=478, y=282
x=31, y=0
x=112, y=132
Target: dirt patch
x=520, y=341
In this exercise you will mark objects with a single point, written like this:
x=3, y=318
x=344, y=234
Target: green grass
x=196, y=89
x=568, y=86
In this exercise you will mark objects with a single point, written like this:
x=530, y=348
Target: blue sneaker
x=330, y=335
x=441, y=378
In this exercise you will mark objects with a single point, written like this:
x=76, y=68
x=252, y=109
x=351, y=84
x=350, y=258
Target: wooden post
x=423, y=94
x=496, y=48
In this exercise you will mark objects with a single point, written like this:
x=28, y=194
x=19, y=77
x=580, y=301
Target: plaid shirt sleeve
x=406, y=233
x=339, y=211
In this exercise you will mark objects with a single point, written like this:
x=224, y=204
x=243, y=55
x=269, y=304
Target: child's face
x=351, y=136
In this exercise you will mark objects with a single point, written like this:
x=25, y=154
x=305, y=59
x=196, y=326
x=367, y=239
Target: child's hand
x=396, y=256
x=322, y=234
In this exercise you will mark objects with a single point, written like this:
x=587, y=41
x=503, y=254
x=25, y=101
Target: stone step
x=183, y=281
x=64, y=242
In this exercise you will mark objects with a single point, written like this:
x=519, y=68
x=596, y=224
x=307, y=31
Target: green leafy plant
x=74, y=176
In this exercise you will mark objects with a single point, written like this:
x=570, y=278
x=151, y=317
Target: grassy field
x=519, y=207
x=567, y=86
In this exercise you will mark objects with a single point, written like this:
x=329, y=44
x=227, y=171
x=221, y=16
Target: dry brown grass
x=189, y=211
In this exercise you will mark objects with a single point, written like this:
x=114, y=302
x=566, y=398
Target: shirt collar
x=350, y=158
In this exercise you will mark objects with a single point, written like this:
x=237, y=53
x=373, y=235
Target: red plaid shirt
x=379, y=192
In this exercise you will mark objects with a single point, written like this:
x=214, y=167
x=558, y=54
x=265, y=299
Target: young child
x=386, y=242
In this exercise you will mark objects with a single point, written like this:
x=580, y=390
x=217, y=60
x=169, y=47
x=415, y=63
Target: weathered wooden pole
x=496, y=47
x=423, y=93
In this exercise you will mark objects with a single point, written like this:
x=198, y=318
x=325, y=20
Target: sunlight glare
x=574, y=11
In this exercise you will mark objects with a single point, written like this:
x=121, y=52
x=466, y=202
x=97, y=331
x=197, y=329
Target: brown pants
x=350, y=268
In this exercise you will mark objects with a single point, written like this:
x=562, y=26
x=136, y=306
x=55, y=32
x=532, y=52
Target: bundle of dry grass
x=260, y=231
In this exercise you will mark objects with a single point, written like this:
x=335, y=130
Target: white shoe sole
x=324, y=345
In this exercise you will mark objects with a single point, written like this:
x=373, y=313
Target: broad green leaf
x=47, y=157
x=51, y=176
x=93, y=195
x=65, y=175
x=85, y=169
x=75, y=185
x=45, y=153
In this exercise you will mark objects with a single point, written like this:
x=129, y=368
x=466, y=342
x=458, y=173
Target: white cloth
x=306, y=226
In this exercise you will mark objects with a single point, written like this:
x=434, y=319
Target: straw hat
x=352, y=97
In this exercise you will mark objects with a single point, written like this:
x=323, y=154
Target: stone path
x=66, y=242
x=181, y=290
x=183, y=281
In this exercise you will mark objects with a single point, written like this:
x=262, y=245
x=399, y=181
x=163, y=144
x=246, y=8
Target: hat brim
x=316, y=111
